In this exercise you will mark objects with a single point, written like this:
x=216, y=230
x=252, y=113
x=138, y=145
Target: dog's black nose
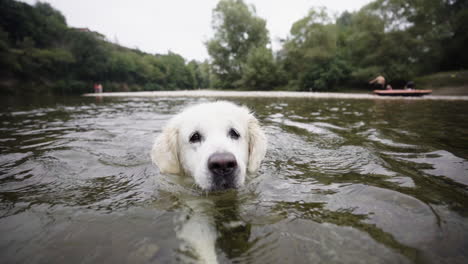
x=222, y=163
x=223, y=167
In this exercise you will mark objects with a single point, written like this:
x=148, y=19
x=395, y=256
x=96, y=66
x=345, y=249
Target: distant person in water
x=97, y=88
x=409, y=85
x=378, y=83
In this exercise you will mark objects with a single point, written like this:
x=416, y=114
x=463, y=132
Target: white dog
x=215, y=143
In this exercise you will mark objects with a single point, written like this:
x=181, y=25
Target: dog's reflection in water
x=210, y=228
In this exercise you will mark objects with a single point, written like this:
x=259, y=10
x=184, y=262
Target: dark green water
x=344, y=181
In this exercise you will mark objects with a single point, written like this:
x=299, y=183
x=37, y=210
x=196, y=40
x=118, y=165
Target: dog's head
x=215, y=143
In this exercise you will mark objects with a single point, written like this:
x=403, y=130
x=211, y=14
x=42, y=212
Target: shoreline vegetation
x=422, y=41
x=268, y=94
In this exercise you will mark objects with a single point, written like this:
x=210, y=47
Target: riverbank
x=445, y=83
x=271, y=94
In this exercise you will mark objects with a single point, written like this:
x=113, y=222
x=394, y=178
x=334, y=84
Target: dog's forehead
x=211, y=123
x=213, y=117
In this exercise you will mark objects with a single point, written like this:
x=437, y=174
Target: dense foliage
x=239, y=48
x=399, y=39
x=39, y=53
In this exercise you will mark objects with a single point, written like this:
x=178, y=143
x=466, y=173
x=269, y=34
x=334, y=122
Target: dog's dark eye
x=234, y=134
x=195, y=137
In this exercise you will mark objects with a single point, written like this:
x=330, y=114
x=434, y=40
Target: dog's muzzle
x=224, y=170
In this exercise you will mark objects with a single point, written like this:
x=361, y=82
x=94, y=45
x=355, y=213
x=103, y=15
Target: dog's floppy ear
x=257, y=145
x=165, y=151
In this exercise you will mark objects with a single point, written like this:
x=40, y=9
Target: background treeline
x=400, y=39
x=39, y=53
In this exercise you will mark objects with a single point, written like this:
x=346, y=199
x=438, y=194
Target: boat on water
x=402, y=92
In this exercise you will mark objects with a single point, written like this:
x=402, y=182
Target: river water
x=344, y=181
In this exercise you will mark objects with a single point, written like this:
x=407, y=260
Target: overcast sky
x=181, y=26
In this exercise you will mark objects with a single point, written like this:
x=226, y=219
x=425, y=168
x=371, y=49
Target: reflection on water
x=372, y=181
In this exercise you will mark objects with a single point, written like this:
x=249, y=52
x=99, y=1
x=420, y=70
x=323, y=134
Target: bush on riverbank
x=443, y=79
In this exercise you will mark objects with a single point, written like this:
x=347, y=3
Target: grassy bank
x=453, y=82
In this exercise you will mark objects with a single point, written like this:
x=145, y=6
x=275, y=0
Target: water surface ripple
x=344, y=181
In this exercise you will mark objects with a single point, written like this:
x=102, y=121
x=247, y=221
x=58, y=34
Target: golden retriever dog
x=216, y=143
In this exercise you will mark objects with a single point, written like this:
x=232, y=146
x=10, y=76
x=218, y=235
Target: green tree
x=361, y=38
x=372, y=46
x=260, y=70
x=176, y=72
x=437, y=29
x=8, y=60
x=195, y=76
x=91, y=56
x=237, y=32
x=310, y=55
x=205, y=74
